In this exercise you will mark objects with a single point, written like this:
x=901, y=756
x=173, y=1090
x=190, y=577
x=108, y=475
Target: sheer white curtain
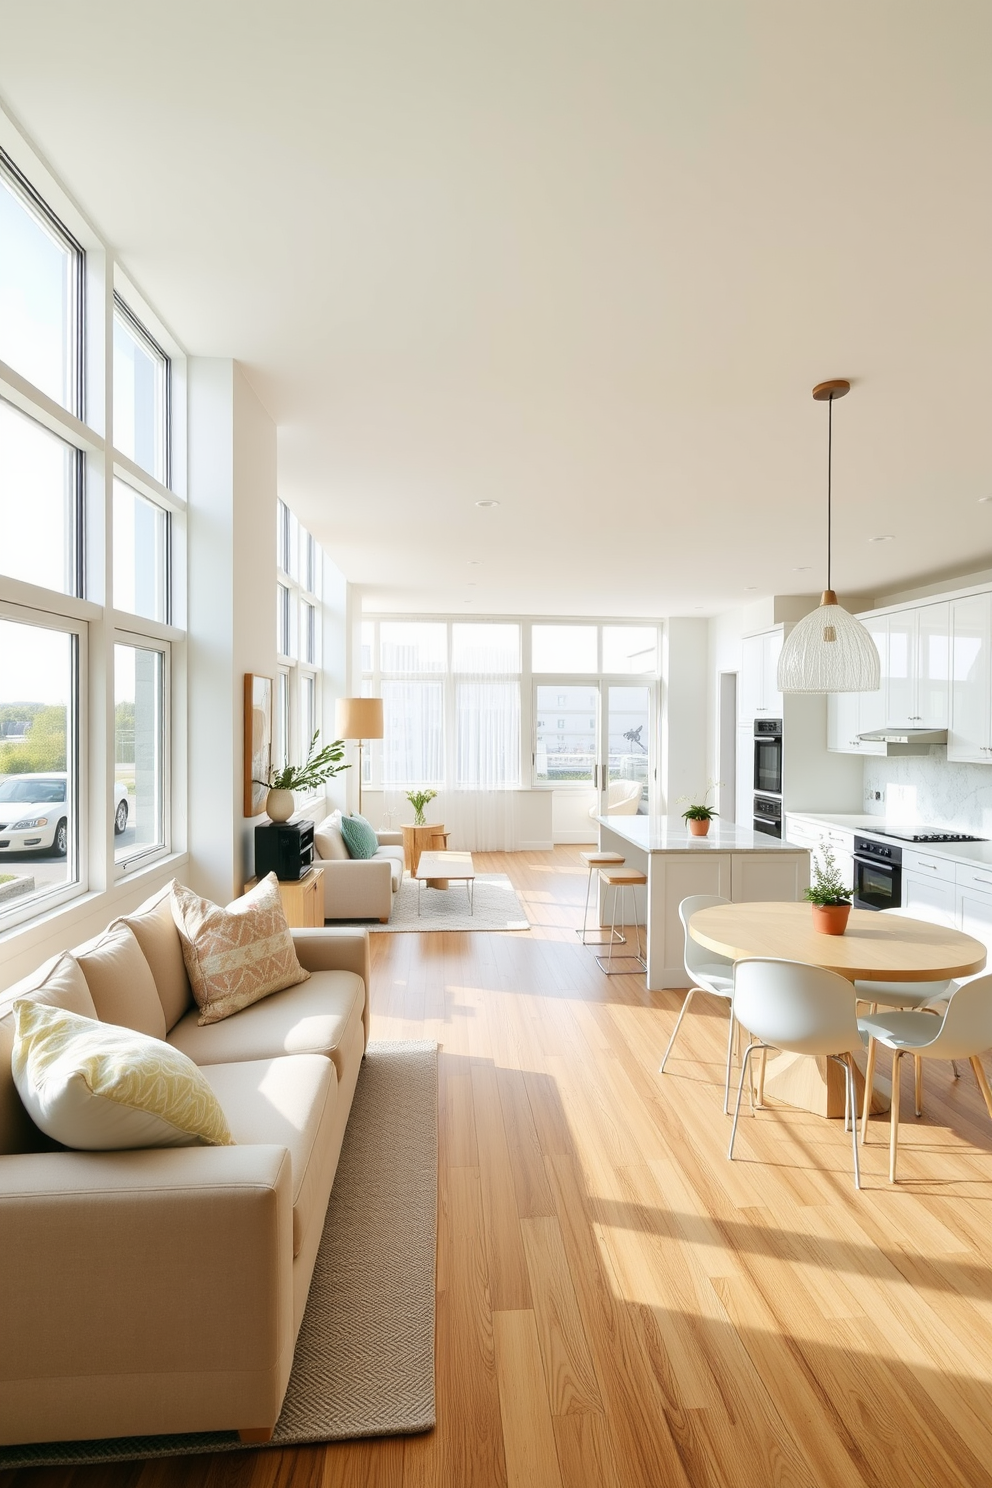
x=485, y=660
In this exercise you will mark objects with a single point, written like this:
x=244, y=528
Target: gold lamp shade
x=358, y=718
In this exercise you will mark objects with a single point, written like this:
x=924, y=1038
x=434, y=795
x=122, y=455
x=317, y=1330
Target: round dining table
x=874, y=948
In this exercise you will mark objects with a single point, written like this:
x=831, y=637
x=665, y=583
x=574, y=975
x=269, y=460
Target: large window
x=297, y=712
x=41, y=268
x=463, y=711
x=73, y=795
x=141, y=395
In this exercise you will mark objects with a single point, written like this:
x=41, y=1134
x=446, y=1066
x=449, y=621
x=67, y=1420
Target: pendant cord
x=830, y=448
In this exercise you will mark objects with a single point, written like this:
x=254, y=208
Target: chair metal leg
x=730, y=1055
x=678, y=1024
x=918, y=1083
x=584, y=930
x=869, y=1080
x=894, y=1115
x=740, y=1093
x=954, y=1067
x=852, y=1104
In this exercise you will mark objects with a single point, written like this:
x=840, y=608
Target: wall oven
x=768, y=756
x=877, y=875
x=768, y=815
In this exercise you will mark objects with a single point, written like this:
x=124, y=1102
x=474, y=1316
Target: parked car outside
x=33, y=817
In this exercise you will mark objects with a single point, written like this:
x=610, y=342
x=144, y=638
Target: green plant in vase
x=318, y=767
x=418, y=800
x=697, y=816
x=828, y=894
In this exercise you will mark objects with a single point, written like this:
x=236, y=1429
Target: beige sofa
x=162, y=1290
x=358, y=888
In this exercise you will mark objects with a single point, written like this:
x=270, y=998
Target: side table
x=302, y=899
x=417, y=840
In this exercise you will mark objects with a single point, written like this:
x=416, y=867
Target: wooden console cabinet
x=302, y=899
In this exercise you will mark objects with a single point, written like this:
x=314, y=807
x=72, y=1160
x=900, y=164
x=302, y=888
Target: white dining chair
x=964, y=1032
x=801, y=1009
x=707, y=972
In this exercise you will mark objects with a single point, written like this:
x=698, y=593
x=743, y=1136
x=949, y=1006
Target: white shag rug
x=496, y=907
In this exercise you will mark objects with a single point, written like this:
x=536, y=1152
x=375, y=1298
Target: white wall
x=232, y=567
x=686, y=762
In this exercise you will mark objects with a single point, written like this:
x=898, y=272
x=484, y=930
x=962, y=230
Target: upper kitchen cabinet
x=851, y=714
x=759, y=695
x=970, y=732
x=917, y=672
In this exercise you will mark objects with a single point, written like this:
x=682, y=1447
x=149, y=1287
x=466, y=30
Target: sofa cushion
x=285, y=1101
x=396, y=864
x=328, y=841
x=318, y=1018
x=359, y=836
x=121, y=982
x=154, y=927
x=237, y=955
x=100, y=1087
x=58, y=983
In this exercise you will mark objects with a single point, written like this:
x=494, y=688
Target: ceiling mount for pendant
x=829, y=650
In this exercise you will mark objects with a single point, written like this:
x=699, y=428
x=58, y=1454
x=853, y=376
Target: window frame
x=142, y=641
x=142, y=334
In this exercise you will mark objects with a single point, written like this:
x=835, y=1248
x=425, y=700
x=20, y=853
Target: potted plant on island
x=418, y=800
x=829, y=896
x=697, y=818
x=317, y=769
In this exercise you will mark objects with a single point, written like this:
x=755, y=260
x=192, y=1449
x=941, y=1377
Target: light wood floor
x=619, y=1305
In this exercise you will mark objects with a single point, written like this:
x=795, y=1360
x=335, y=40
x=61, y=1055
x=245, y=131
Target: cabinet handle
x=983, y=880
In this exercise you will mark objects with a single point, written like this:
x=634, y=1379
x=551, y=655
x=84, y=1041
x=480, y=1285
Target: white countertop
x=969, y=853
x=667, y=834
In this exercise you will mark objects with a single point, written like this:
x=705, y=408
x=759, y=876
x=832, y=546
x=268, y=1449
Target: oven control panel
x=881, y=852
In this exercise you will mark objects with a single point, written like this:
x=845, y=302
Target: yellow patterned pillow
x=101, y=1088
x=237, y=955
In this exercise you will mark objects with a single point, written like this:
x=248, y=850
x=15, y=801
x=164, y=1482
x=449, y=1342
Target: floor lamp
x=358, y=718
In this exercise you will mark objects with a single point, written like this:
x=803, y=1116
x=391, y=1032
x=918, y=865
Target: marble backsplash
x=930, y=789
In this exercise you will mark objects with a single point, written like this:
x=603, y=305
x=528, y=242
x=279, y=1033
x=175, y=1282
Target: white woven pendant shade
x=829, y=651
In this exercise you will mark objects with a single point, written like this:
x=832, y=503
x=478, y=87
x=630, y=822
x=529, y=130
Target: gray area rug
x=496, y=907
x=364, y=1362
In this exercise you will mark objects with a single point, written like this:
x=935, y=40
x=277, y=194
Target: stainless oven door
x=768, y=765
x=877, y=885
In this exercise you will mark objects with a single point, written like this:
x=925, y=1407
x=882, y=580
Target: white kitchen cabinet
x=758, y=876
x=759, y=694
x=814, y=836
x=974, y=914
x=850, y=714
x=917, y=674
x=969, y=736
x=933, y=899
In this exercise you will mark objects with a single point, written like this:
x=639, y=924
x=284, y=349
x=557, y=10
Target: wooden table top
x=445, y=865
x=874, y=948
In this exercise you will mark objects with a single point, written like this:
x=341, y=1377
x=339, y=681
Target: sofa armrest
x=358, y=889
x=390, y=839
x=140, y=1265
x=335, y=949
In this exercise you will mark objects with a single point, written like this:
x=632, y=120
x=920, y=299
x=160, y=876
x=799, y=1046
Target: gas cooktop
x=921, y=834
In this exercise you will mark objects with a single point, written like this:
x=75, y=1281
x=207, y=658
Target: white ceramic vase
x=279, y=805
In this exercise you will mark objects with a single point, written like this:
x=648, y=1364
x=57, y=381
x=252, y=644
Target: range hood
x=904, y=741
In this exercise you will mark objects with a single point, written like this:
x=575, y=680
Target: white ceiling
x=583, y=259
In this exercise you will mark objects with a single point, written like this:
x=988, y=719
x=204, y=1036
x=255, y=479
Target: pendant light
x=829, y=650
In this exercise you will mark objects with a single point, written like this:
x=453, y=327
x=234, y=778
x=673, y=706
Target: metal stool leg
x=617, y=938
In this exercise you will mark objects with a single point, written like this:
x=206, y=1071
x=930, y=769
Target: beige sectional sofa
x=162, y=1290
x=358, y=888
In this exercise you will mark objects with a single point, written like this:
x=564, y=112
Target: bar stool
x=619, y=879
x=596, y=860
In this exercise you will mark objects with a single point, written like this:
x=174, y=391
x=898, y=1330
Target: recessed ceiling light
x=884, y=537
x=984, y=500
x=475, y=563
x=487, y=504
x=750, y=588
x=803, y=568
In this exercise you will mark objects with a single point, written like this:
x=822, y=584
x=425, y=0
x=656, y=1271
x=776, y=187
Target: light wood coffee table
x=874, y=948
x=436, y=868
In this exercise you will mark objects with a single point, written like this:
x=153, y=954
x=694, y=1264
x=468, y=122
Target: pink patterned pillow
x=237, y=955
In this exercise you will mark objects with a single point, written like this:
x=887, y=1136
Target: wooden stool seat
x=596, y=860
x=617, y=876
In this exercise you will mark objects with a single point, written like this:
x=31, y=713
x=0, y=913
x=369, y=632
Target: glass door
x=626, y=748
x=566, y=733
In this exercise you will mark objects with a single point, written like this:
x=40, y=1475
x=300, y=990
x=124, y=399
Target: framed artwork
x=258, y=740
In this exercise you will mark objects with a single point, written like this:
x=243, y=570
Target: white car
x=33, y=815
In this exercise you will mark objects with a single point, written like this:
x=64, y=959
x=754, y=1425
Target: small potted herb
x=318, y=767
x=418, y=800
x=698, y=817
x=829, y=896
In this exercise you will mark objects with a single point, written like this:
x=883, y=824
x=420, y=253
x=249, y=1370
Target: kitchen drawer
x=840, y=841
x=973, y=878
x=927, y=865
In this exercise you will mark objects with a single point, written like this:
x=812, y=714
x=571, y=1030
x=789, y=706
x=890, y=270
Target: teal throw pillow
x=359, y=837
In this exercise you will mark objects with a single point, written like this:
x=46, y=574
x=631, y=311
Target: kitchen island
x=731, y=861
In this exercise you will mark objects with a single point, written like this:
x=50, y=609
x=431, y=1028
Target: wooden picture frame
x=258, y=741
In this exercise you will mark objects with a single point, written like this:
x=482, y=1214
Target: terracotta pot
x=279, y=805
x=831, y=919
x=698, y=828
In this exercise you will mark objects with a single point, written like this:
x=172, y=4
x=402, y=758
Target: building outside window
x=298, y=610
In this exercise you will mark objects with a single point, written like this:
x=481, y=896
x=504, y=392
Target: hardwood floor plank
x=568, y=1366
x=508, y=1277
x=528, y=1435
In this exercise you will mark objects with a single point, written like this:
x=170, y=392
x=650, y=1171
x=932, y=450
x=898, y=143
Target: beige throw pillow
x=155, y=930
x=328, y=841
x=236, y=956
x=121, y=982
